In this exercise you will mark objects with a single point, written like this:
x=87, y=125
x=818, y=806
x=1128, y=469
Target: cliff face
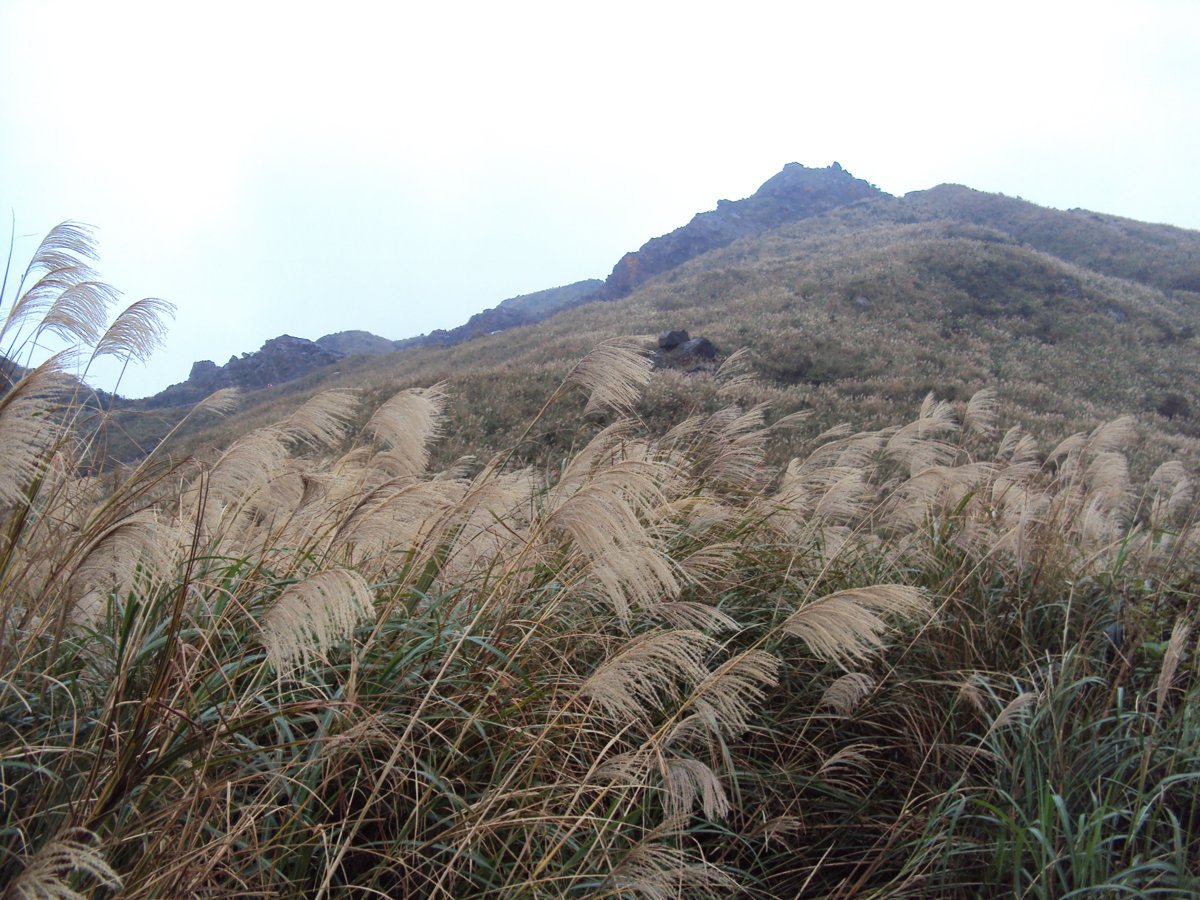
x=795, y=193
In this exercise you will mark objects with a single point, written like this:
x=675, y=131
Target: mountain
x=795, y=193
x=853, y=304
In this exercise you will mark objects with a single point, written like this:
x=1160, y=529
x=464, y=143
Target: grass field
x=615, y=654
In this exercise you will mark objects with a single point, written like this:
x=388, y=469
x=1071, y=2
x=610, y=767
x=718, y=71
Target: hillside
x=588, y=620
x=856, y=309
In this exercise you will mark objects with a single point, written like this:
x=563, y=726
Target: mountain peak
x=797, y=192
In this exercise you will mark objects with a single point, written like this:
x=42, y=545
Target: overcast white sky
x=309, y=168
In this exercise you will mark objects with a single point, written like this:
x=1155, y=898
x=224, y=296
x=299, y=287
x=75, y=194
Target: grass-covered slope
x=932, y=659
x=856, y=316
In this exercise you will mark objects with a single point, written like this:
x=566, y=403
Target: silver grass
x=606, y=447
x=634, y=683
x=323, y=420
x=1170, y=663
x=1017, y=447
x=62, y=258
x=613, y=374
x=1068, y=446
x=1171, y=493
x=969, y=690
x=739, y=438
x=624, y=769
x=736, y=372
x=63, y=244
x=844, y=500
x=921, y=444
x=846, y=693
x=604, y=521
x=80, y=311
x=634, y=575
x=981, y=413
x=780, y=828
x=137, y=332
x=1108, y=481
x=689, y=731
x=220, y=402
x=1097, y=528
x=405, y=424
x=850, y=768
x=1015, y=710
x=690, y=614
x=398, y=517
x=655, y=870
x=811, y=497
x=1112, y=436
x=137, y=543
x=711, y=561
x=310, y=617
x=28, y=428
x=841, y=450
x=938, y=490
x=492, y=521
x=686, y=781
x=847, y=626
x=728, y=697
x=49, y=870
x=245, y=467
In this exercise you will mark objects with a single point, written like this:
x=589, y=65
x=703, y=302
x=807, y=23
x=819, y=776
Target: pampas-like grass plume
x=1171, y=658
x=655, y=870
x=310, y=617
x=323, y=420
x=847, y=626
x=613, y=374
x=27, y=428
x=60, y=258
x=689, y=780
x=633, y=683
x=137, y=332
x=405, y=424
x=79, y=312
x=727, y=698
x=846, y=693
x=48, y=872
x=982, y=411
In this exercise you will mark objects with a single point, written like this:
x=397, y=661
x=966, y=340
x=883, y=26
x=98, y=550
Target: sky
x=307, y=168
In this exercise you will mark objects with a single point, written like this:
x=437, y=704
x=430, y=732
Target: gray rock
x=669, y=340
x=696, y=348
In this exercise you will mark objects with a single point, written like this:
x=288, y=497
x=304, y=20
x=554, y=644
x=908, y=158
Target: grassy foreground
x=928, y=660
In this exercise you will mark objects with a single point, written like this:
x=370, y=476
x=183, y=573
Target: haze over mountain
x=849, y=300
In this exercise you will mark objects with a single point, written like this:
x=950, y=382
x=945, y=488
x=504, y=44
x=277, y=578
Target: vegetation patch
x=639, y=659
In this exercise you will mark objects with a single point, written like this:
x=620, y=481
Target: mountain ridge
x=858, y=309
x=796, y=192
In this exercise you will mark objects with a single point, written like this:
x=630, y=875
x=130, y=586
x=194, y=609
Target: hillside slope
x=860, y=310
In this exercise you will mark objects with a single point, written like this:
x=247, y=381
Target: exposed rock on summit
x=795, y=193
x=350, y=343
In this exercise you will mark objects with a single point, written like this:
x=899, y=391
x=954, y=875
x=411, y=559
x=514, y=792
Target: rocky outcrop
x=795, y=193
x=679, y=350
x=278, y=360
x=349, y=343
